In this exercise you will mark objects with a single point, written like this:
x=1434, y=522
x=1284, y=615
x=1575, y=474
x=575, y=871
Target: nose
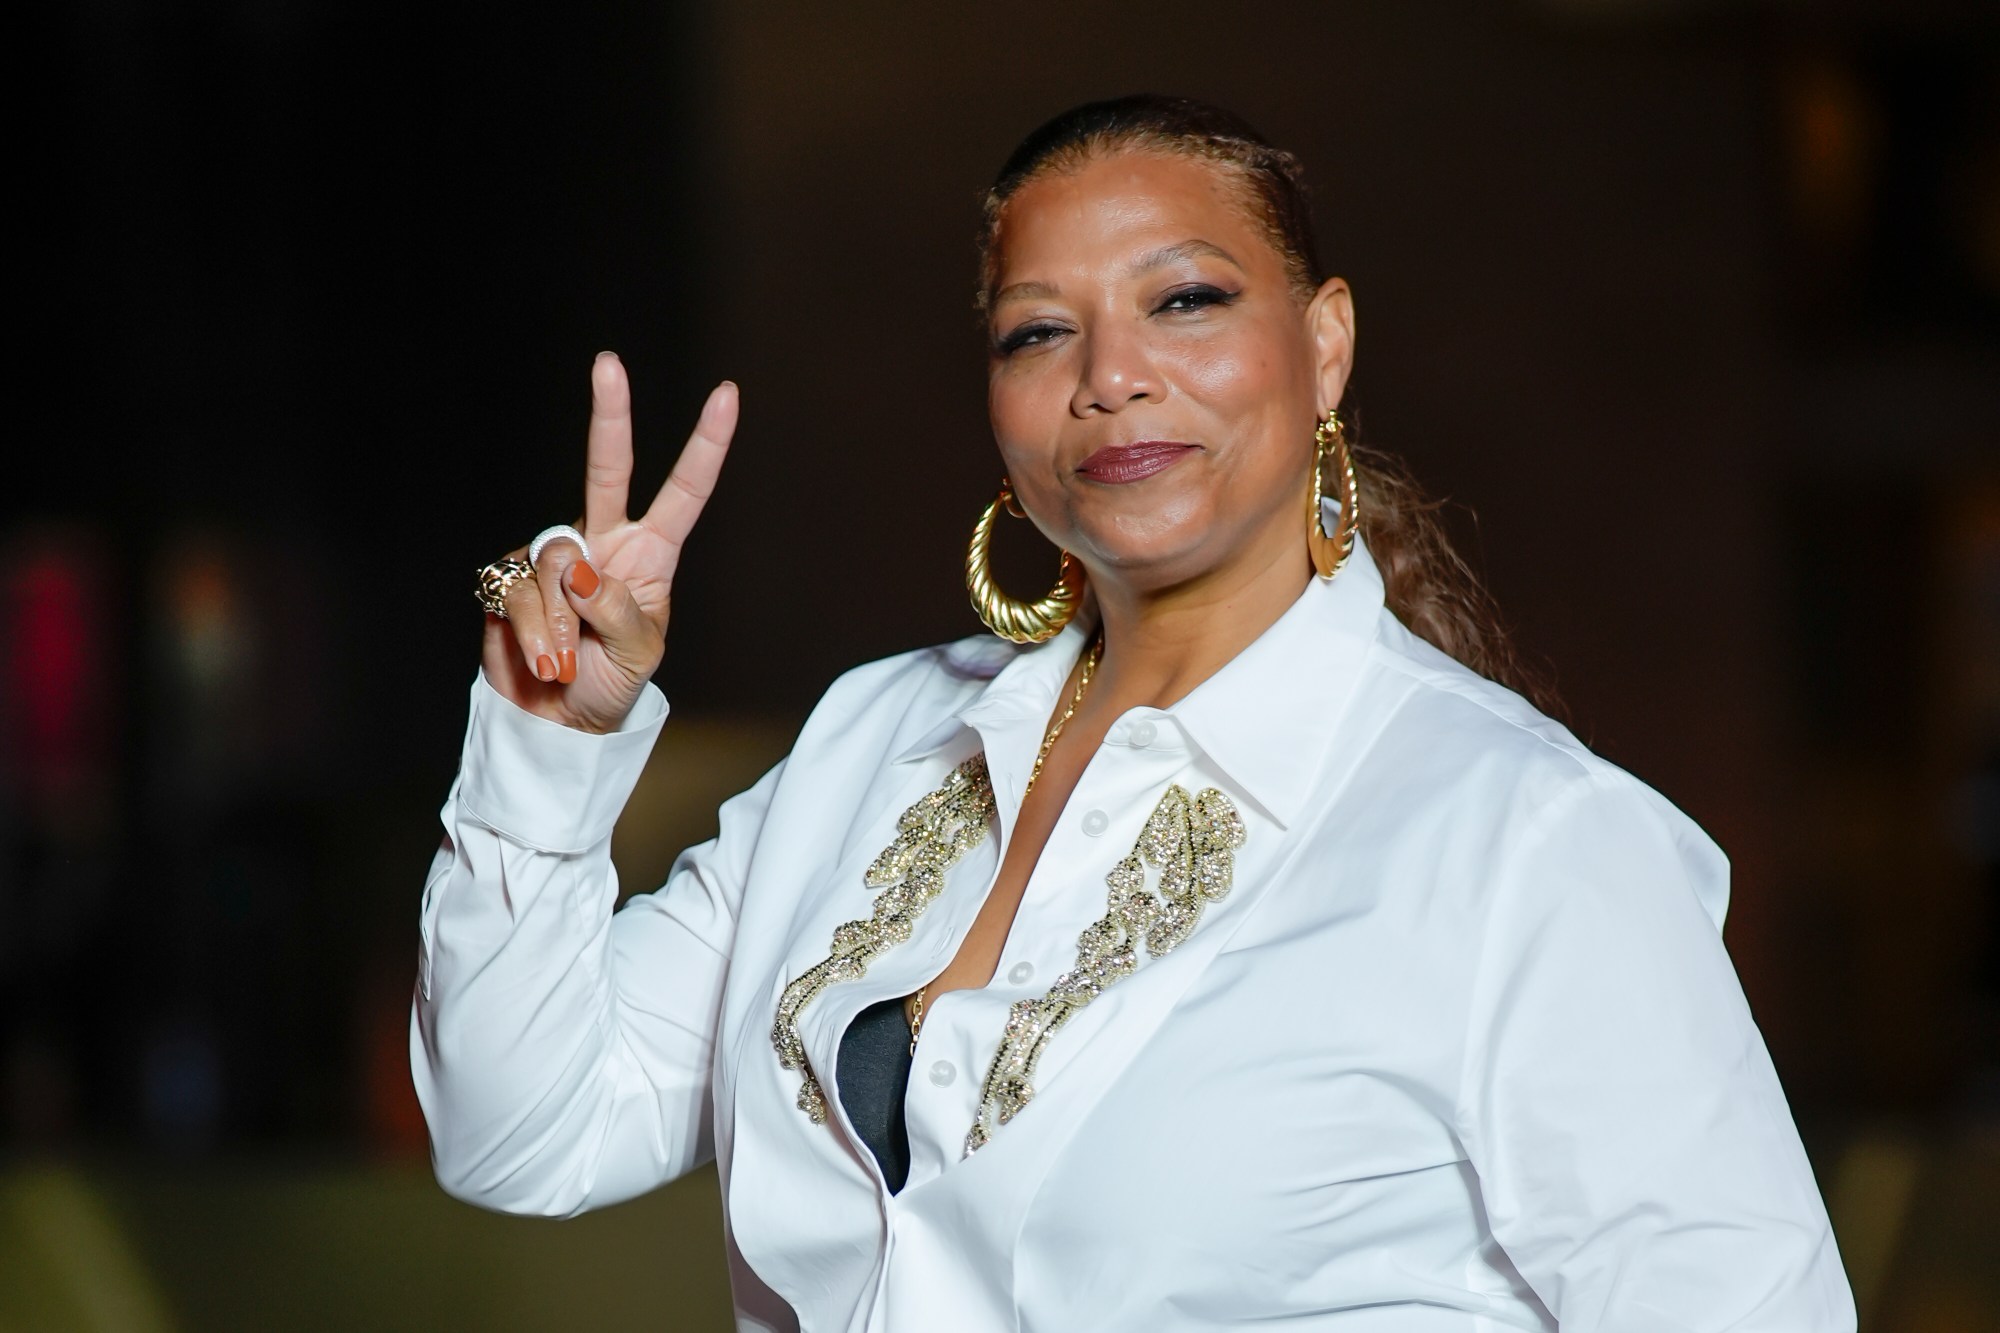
x=1117, y=371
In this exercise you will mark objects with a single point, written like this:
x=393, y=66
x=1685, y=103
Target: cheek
x=1028, y=407
x=1234, y=384
x=1240, y=375
x=1257, y=397
x=1014, y=402
x=1021, y=429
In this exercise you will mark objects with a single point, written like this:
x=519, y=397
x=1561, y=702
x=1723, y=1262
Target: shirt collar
x=1266, y=719
x=1022, y=682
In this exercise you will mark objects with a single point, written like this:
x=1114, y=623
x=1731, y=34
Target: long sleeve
x=561, y=1051
x=1635, y=1152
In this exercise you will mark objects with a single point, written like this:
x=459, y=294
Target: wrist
x=554, y=703
x=544, y=783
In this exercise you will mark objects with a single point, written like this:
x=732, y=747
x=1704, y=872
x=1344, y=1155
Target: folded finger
x=630, y=638
x=558, y=618
x=527, y=619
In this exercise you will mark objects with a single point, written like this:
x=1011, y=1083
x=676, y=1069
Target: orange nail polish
x=583, y=579
x=566, y=671
x=545, y=667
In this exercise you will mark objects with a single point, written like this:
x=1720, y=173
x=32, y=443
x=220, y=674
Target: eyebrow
x=1168, y=254
x=1152, y=259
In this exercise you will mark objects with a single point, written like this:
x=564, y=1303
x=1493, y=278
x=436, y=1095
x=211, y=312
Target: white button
x=1020, y=972
x=943, y=1072
x=1096, y=822
x=1143, y=733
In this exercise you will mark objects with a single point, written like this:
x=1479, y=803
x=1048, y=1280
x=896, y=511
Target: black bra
x=872, y=1075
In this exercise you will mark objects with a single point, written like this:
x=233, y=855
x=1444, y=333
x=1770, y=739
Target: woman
x=1260, y=958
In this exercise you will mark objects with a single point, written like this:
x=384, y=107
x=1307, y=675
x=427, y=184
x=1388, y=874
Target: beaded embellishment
x=1193, y=841
x=931, y=837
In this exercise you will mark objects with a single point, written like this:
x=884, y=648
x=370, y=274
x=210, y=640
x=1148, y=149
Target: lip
x=1117, y=464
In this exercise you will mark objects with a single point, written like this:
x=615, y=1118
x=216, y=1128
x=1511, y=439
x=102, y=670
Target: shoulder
x=944, y=674
x=892, y=702
x=961, y=665
x=1437, y=716
x=1482, y=760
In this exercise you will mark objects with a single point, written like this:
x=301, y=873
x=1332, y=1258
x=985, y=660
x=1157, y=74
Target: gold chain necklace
x=1090, y=659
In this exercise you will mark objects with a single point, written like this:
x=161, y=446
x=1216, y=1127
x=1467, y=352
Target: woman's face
x=1155, y=379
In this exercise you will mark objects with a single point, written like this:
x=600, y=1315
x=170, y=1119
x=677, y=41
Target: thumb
x=630, y=637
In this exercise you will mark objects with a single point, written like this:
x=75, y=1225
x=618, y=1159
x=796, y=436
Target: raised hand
x=581, y=638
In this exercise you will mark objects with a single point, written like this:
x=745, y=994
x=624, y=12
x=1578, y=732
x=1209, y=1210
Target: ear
x=1330, y=325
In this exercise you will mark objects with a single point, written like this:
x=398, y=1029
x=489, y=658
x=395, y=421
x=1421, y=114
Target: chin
x=1153, y=550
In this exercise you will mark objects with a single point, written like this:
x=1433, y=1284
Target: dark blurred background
x=1695, y=304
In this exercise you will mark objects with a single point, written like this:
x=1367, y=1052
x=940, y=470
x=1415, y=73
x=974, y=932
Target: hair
x=1427, y=584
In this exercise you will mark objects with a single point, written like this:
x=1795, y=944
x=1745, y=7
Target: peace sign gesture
x=581, y=638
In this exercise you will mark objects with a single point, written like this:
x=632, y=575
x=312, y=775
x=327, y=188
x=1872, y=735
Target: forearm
x=539, y=1098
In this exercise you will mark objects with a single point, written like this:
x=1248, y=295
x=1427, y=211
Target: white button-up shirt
x=1459, y=1049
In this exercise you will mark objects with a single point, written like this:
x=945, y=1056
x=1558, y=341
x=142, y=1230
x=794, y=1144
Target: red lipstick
x=1116, y=464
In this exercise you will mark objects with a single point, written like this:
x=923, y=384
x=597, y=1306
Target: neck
x=1159, y=644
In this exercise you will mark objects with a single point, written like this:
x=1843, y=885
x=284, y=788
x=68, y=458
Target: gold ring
x=497, y=580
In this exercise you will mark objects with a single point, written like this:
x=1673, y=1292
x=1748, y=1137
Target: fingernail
x=583, y=579
x=602, y=355
x=545, y=667
x=566, y=672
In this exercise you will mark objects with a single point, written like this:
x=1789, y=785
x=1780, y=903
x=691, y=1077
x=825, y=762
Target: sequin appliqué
x=931, y=837
x=1193, y=842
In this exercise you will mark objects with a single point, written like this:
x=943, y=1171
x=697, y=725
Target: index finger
x=692, y=481
x=607, y=469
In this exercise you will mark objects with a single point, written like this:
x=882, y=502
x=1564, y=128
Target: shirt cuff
x=547, y=786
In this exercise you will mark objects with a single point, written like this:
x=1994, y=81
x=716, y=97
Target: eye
x=1195, y=297
x=1028, y=335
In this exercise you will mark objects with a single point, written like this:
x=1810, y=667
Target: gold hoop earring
x=1330, y=551
x=1009, y=617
